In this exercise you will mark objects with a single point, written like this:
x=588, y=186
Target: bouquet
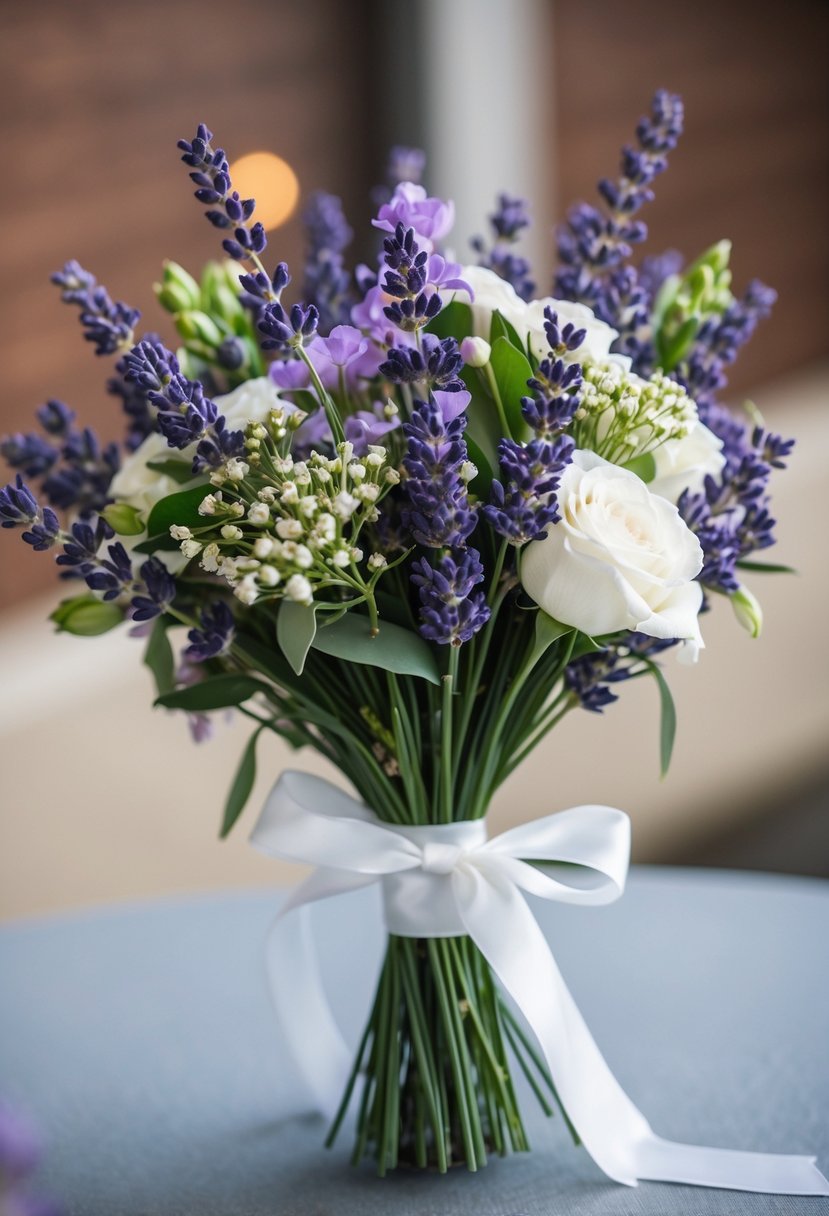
x=412, y=519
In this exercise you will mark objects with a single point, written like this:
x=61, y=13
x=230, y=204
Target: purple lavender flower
x=259, y=290
x=411, y=207
x=18, y=506
x=439, y=514
x=110, y=325
x=593, y=244
x=327, y=283
x=157, y=594
x=524, y=502
x=82, y=479
x=112, y=575
x=718, y=342
x=215, y=635
x=211, y=174
x=185, y=415
x=437, y=364
x=508, y=221
x=286, y=331
x=81, y=548
x=412, y=305
x=31, y=454
x=590, y=677
x=56, y=418
x=451, y=613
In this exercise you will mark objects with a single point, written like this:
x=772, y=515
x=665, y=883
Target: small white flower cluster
x=621, y=416
x=290, y=526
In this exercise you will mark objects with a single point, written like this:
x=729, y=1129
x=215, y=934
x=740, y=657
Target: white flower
x=247, y=590
x=264, y=546
x=231, y=532
x=289, y=529
x=210, y=558
x=491, y=294
x=475, y=352
x=619, y=558
x=259, y=513
x=190, y=548
x=345, y=504
x=340, y=558
x=208, y=505
x=377, y=561
x=299, y=589
x=236, y=469
x=269, y=576
x=180, y=533
x=683, y=464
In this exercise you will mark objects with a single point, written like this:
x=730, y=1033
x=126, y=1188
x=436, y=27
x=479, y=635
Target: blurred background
x=104, y=799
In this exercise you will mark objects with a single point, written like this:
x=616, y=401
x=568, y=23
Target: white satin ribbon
x=445, y=880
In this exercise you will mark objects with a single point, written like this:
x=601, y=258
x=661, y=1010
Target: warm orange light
x=271, y=181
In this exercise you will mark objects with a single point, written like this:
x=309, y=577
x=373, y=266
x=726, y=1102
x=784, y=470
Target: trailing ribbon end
x=444, y=880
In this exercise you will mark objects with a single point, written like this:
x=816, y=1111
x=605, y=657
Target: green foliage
x=394, y=648
x=667, y=721
x=453, y=321
x=123, y=519
x=500, y=327
x=180, y=508
x=158, y=656
x=296, y=627
x=216, y=692
x=242, y=785
x=180, y=471
x=512, y=370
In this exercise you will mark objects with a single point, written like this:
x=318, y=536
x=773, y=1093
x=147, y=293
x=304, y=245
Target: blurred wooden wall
x=752, y=164
x=95, y=95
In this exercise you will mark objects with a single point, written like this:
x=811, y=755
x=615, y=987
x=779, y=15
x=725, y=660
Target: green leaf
x=766, y=567
x=179, y=508
x=394, y=648
x=643, y=466
x=500, y=327
x=483, y=432
x=296, y=626
x=667, y=722
x=512, y=371
x=242, y=785
x=675, y=348
x=453, y=321
x=180, y=471
x=158, y=656
x=547, y=631
x=85, y=616
x=216, y=692
x=305, y=400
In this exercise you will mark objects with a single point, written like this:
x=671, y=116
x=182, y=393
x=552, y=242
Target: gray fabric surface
x=142, y=1041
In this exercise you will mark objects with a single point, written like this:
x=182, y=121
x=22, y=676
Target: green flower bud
x=86, y=617
x=196, y=326
x=747, y=611
x=124, y=519
x=182, y=285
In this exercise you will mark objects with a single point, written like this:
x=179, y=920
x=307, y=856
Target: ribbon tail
x=612, y=1129
x=298, y=994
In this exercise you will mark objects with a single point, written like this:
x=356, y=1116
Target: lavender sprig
x=226, y=210
x=327, y=282
x=185, y=415
x=451, y=613
x=214, y=636
x=437, y=364
x=593, y=244
x=438, y=514
x=109, y=324
x=509, y=219
x=407, y=271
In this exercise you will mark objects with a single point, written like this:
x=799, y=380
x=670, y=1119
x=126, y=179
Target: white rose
x=250, y=402
x=619, y=558
x=683, y=464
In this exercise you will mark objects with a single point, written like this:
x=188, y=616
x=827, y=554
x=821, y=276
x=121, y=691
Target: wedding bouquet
x=411, y=520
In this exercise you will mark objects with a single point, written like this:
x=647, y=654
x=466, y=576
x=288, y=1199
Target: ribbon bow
x=444, y=880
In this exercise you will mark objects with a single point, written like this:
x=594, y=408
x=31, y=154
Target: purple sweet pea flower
x=368, y=427
x=369, y=317
x=410, y=205
x=446, y=276
x=289, y=374
x=452, y=404
x=343, y=345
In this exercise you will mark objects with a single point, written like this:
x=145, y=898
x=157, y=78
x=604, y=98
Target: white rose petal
x=619, y=558
x=683, y=464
